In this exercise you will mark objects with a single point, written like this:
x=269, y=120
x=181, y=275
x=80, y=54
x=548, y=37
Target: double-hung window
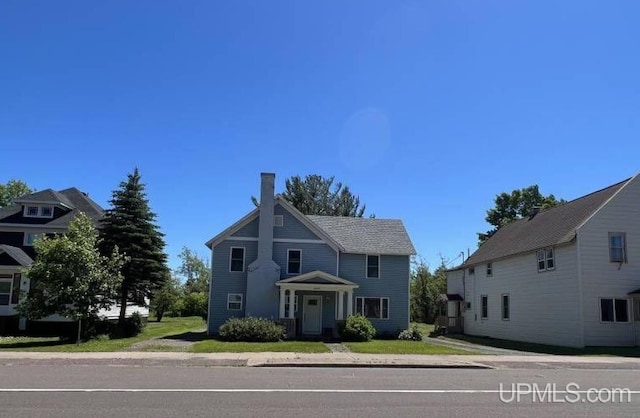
x=373, y=266
x=294, y=261
x=617, y=247
x=489, y=269
x=546, y=259
x=234, y=301
x=236, y=259
x=614, y=310
x=6, y=281
x=376, y=308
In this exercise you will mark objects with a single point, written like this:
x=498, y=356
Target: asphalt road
x=177, y=391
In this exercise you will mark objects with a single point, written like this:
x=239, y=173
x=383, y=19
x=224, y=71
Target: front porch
x=323, y=305
x=12, y=284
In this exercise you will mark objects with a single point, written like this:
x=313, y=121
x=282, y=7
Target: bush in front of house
x=250, y=329
x=357, y=328
x=411, y=334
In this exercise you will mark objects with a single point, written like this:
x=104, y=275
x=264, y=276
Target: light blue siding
x=291, y=227
x=314, y=257
x=393, y=283
x=224, y=282
x=249, y=230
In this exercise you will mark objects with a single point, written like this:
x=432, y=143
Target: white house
x=568, y=275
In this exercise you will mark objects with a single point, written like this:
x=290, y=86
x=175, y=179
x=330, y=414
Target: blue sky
x=426, y=109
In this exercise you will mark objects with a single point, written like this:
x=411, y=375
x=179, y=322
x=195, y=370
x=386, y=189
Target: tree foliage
x=165, y=299
x=195, y=271
x=515, y=205
x=318, y=195
x=11, y=190
x=130, y=225
x=426, y=288
x=70, y=277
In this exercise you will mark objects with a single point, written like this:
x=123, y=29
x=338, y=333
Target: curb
x=374, y=366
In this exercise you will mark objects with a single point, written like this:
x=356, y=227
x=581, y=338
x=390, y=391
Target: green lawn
x=168, y=327
x=401, y=347
x=217, y=346
x=426, y=329
x=550, y=349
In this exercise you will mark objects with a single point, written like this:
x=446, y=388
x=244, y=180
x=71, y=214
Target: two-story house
x=568, y=275
x=47, y=212
x=309, y=271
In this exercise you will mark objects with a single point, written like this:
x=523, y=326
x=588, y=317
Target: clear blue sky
x=426, y=109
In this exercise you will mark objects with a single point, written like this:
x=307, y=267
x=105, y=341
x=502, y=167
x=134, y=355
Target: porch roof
x=17, y=254
x=317, y=280
x=635, y=292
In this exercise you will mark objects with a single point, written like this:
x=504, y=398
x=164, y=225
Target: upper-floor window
x=614, y=310
x=484, y=299
x=278, y=220
x=617, y=247
x=546, y=260
x=38, y=211
x=472, y=271
x=236, y=259
x=373, y=266
x=30, y=237
x=489, y=269
x=294, y=261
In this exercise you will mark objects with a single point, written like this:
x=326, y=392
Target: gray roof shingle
x=366, y=235
x=71, y=197
x=549, y=227
x=17, y=254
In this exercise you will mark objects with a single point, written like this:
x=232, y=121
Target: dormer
x=42, y=204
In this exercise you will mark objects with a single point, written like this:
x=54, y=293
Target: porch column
x=292, y=302
x=350, y=302
x=283, y=292
x=340, y=302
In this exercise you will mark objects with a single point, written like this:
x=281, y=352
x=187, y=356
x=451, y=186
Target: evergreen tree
x=130, y=225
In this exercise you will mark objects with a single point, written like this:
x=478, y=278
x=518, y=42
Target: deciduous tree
x=12, y=189
x=517, y=204
x=69, y=276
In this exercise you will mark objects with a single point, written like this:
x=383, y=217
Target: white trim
x=244, y=255
x=278, y=221
x=281, y=240
x=545, y=259
x=288, y=261
x=489, y=270
x=615, y=320
x=234, y=301
x=595, y=212
x=366, y=266
x=233, y=228
x=623, y=248
x=287, y=299
x=314, y=275
x=10, y=293
x=39, y=210
x=381, y=307
x=305, y=298
x=25, y=241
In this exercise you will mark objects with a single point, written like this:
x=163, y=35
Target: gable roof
x=367, y=235
x=70, y=198
x=17, y=254
x=342, y=233
x=553, y=226
x=317, y=277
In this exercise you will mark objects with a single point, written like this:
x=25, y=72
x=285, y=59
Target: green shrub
x=357, y=328
x=411, y=334
x=133, y=325
x=250, y=329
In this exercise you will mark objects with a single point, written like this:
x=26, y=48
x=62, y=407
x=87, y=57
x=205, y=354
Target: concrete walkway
x=476, y=348
x=337, y=359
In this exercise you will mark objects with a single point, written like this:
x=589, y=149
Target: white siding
x=455, y=285
x=544, y=307
x=601, y=278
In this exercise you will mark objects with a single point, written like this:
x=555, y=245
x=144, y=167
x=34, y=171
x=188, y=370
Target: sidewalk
x=321, y=360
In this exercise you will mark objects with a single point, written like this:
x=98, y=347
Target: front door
x=312, y=314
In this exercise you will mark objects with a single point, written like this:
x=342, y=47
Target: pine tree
x=130, y=225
